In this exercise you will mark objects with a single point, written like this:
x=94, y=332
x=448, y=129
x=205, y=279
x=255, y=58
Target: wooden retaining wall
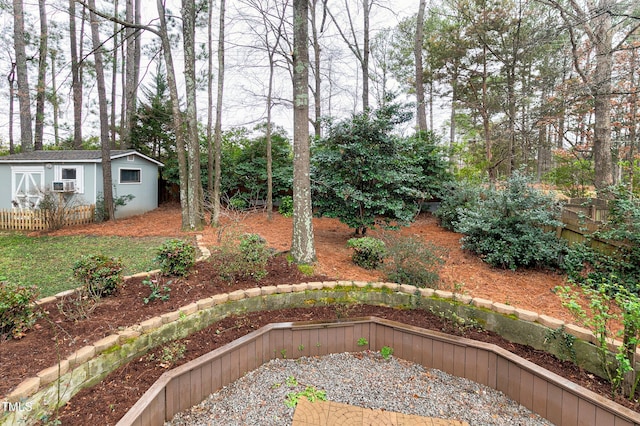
x=551, y=396
x=35, y=220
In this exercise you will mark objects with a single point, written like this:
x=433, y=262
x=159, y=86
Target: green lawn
x=47, y=261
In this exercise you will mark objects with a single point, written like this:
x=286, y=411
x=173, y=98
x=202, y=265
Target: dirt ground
x=106, y=402
x=462, y=271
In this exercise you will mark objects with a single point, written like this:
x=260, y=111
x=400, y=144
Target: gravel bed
x=363, y=379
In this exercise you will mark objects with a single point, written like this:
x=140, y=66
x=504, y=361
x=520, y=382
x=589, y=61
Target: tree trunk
x=633, y=109
x=104, y=118
x=421, y=116
x=218, y=130
x=317, y=98
x=76, y=82
x=54, y=99
x=114, y=77
x=12, y=81
x=601, y=89
x=210, y=154
x=366, y=49
x=302, y=245
x=268, y=137
x=194, y=191
x=42, y=74
x=177, y=115
x=26, y=134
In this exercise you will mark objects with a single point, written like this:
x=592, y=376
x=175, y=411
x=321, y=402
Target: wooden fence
x=558, y=400
x=36, y=220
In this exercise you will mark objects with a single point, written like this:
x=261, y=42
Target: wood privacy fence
x=38, y=220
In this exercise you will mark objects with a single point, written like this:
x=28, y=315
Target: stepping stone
x=327, y=413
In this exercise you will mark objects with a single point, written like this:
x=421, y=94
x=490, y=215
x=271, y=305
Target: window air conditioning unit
x=63, y=186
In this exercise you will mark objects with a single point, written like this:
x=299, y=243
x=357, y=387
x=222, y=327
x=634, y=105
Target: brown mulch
x=106, y=402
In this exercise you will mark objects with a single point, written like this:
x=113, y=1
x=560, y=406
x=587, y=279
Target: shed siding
x=145, y=192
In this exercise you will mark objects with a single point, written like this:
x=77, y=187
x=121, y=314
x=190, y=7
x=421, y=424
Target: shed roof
x=70, y=156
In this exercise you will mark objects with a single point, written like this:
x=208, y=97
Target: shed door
x=27, y=186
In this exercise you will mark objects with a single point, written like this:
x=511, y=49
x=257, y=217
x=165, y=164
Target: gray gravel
x=364, y=379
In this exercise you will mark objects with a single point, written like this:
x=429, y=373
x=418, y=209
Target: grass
x=47, y=261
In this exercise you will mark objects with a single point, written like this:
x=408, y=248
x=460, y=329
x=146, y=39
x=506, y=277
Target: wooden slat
x=34, y=220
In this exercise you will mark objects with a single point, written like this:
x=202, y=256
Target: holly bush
x=513, y=226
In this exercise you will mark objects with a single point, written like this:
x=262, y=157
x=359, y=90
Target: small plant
x=255, y=254
x=159, y=291
x=567, y=350
x=78, y=306
x=100, y=274
x=101, y=211
x=609, y=301
x=237, y=203
x=249, y=258
x=386, y=352
x=301, y=347
x=368, y=252
x=291, y=381
x=171, y=353
x=306, y=269
x=362, y=342
x=283, y=353
x=17, y=311
x=286, y=206
x=413, y=261
x=176, y=257
x=310, y=392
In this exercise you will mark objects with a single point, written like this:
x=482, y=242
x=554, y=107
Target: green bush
x=413, y=261
x=255, y=255
x=17, y=313
x=248, y=258
x=455, y=197
x=368, y=252
x=176, y=257
x=513, y=226
x=286, y=206
x=100, y=274
x=584, y=263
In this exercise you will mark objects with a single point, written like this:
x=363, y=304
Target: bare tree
x=11, y=78
x=215, y=152
x=132, y=69
x=76, y=73
x=361, y=50
x=194, y=189
x=163, y=33
x=55, y=100
x=595, y=19
x=270, y=31
x=42, y=73
x=317, y=74
x=114, y=74
x=417, y=51
x=302, y=246
x=105, y=142
x=19, y=41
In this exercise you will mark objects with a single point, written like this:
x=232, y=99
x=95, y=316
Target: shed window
x=129, y=175
x=74, y=174
x=69, y=174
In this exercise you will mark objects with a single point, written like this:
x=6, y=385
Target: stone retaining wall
x=54, y=386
